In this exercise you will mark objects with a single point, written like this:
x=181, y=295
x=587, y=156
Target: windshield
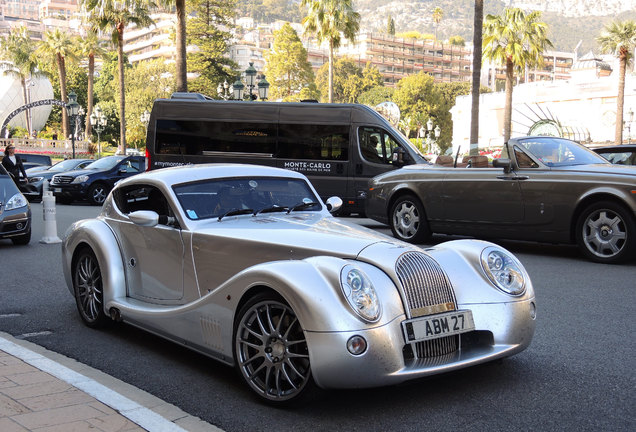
x=65, y=165
x=560, y=152
x=105, y=163
x=215, y=198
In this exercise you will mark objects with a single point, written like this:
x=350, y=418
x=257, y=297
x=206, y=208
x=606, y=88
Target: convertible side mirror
x=145, y=218
x=503, y=163
x=333, y=204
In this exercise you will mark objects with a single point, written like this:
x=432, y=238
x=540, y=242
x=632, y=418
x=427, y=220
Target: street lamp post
x=73, y=109
x=432, y=132
x=98, y=121
x=224, y=90
x=628, y=123
x=250, y=78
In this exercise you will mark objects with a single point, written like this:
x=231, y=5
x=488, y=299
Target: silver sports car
x=246, y=265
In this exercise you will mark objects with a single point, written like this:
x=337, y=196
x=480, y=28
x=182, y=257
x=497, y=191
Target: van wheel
x=408, y=220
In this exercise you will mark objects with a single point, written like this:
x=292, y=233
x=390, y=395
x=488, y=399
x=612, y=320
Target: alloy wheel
x=88, y=289
x=406, y=219
x=604, y=233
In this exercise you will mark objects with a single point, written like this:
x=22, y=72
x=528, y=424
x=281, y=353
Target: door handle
x=523, y=177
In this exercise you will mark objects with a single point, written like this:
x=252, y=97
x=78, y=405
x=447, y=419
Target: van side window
x=315, y=142
x=199, y=137
x=376, y=145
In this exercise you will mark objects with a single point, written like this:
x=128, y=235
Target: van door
x=372, y=155
x=319, y=151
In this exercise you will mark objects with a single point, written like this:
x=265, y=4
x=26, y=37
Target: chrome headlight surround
x=504, y=270
x=360, y=293
x=80, y=179
x=15, y=202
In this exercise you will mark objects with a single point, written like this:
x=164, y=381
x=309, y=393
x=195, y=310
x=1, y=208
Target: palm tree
x=438, y=14
x=619, y=38
x=516, y=40
x=58, y=47
x=18, y=49
x=181, y=61
x=478, y=24
x=90, y=46
x=330, y=20
x=114, y=16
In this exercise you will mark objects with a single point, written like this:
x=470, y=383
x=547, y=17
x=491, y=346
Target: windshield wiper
x=236, y=212
x=302, y=206
x=272, y=209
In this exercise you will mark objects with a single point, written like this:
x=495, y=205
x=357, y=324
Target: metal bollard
x=50, y=224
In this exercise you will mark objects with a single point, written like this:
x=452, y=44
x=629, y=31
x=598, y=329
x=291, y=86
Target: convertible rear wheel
x=408, y=220
x=271, y=351
x=606, y=233
x=89, y=292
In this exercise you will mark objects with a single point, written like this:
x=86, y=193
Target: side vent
x=211, y=330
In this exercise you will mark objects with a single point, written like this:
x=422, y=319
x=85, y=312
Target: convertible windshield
x=560, y=152
x=222, y=197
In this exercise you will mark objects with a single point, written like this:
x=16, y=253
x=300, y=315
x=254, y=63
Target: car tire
x=23, y=239
x=606, y=233
x=89, y=289
x=273, y=361
x=97, y=193
x=408, y=220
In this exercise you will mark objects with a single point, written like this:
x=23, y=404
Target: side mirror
x=333, y=204
x=145, y=218
x=398, y=157
x=122, y=170
x=503, y=163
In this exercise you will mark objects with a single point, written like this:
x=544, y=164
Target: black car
x=623, y=154
x=15, y=213
x=39, y=175
x=94, y=182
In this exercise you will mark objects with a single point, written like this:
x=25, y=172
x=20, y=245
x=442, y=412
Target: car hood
x=237, y=243
x=77, y=173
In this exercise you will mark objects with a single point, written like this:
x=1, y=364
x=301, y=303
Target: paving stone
x=9, y=407
x=114, y=423
x=58, y=400
x=31, y=378
x=8, y=425
x=69, y=427
x=56, y=417
x=32, y=390
x=16, y=368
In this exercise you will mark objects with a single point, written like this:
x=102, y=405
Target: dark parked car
x=30, y=160
x=38, y=175
x=15, y=213
x=542, y=189
x=623, y=154
x=94, y=182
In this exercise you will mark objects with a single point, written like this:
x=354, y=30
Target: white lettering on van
x=307, y=166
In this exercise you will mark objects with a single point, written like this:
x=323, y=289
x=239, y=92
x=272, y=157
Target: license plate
x=57, y=190
x=436, y=326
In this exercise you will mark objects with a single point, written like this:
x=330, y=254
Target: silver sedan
x=245, y=264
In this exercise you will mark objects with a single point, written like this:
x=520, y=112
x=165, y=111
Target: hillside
x=570, y=21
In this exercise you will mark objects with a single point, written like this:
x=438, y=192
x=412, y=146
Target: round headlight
x=504, y=271
x=360, y=293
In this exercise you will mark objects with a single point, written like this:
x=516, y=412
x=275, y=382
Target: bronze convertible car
x=245, y=264
x=541, y=189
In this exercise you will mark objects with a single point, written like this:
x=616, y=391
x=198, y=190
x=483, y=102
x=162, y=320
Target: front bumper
x=501, y=330
x=76, y=191
x=14, y=223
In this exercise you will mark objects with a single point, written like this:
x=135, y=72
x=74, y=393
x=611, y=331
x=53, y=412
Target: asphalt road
x=578, y=374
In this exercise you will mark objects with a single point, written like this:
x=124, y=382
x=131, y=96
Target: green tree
x=208, y=29
x=376, y=95
x=18, y=49
x=330, y=20
x=478, y=24
x=145, y=82
x=619, y=38
x=438, y=14
x=390, y=26
x=349, y=80
x=89, y=47
x=371, y=77
x=413, y=34
x=288, y=69
x=114, y=16
x=457, y=41
x=515, y=40
x=180, y=42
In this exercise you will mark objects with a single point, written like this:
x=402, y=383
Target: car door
x=126, y=168
x=483, y=195
x=153, y=256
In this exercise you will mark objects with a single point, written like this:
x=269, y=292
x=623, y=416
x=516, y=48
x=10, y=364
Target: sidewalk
x=46, y=392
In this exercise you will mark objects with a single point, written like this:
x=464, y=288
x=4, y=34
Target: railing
x=45, y=146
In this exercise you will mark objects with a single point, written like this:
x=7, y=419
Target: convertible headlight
x=80, y=179
x=360, y=293
x=503, y=270
x=15, y=202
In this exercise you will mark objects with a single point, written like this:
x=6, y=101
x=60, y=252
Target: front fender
x=97, y=235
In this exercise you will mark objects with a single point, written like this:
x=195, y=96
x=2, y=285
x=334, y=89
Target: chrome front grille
x=59, y=179
x=426, y=291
